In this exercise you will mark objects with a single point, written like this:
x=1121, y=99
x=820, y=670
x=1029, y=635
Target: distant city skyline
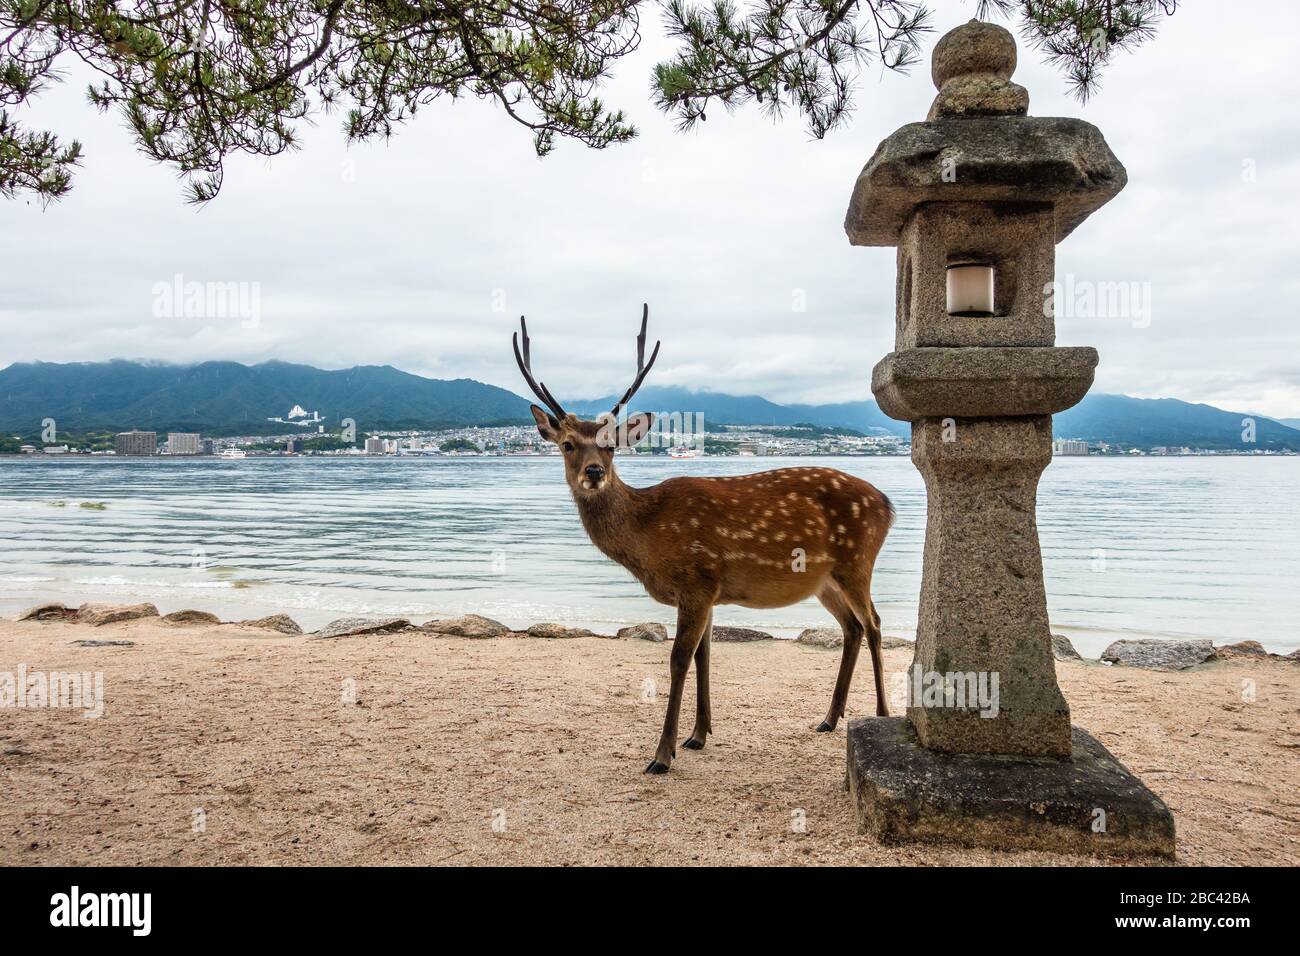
x=423, y=252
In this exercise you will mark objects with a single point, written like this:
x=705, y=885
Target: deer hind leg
x=877, y=659
x=855, y=585
x=833, y=600
x=856, y=588
x=691, y=622
x=703, y=710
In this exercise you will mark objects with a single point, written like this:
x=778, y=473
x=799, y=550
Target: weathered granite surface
x=975, y=47
x=971, y=67
x=833, y=637
x=49, y=612
x=275, y=622
x=1241, y=649
x=821, y=637
x=722, y=632
x=1089, y=803
x=467, y=625
x=354, y=626
x=977, y=144
x=979, y=94
x=190, y=616
x=1013, y=159
x=560, y=632
x=981, y=382
x=97, y=615
x=980, y=183
x=983, y=608
x=1159, y=655
x=1008, y=159
x=1017, y=239
x=648, y=631
x=1063, y=650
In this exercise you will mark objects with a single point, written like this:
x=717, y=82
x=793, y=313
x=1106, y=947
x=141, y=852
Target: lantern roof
x=978, y=145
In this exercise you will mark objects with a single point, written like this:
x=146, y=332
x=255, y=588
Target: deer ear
x=637, y=427
x=547, y=426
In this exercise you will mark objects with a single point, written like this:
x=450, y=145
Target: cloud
x=421, y=253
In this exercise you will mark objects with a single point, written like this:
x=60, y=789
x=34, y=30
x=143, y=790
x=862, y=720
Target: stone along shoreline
x=1153, y=654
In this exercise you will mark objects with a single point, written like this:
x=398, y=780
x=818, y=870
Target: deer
x=763, y=540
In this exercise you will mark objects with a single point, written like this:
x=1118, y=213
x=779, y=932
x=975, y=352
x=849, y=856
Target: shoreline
x=407, y=748
x=364, y=456
x=1088, y=641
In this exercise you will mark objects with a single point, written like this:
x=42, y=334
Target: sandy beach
x=229, y=745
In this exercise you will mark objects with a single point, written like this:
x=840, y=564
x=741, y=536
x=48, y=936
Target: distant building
x=184, y=443
x=293, y=446
x=298, y=416
x=1070, y=446
x=136, y=443
x=381, y=446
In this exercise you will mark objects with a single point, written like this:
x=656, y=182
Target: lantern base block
x=1086, y=804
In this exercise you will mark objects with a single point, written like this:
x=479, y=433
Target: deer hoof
x=692, y=744
x=656, y=767
x=824, y=727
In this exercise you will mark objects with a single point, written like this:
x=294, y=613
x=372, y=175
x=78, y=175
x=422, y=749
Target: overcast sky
x=423, y=252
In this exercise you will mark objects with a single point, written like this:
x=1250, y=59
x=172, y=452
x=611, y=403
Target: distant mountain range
x=1115, y=419
x=226, y=398
x=229, y=398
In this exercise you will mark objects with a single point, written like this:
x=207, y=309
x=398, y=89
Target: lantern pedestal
x=983, y=610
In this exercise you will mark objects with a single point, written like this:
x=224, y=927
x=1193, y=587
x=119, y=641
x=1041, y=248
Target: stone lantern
x=975, y=199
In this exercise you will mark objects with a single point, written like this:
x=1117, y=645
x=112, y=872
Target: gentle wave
x=135, y=584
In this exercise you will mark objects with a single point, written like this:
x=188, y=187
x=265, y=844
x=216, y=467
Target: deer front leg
x=703, y=709
x=690, y=628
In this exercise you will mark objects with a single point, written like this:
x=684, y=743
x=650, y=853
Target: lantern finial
x=971, y=68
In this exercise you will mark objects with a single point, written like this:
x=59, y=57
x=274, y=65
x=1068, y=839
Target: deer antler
x=642, y=366
x=525, y=366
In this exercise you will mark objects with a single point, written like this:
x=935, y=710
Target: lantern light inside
x=970, y=289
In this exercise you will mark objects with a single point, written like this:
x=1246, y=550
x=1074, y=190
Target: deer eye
x=568, y=446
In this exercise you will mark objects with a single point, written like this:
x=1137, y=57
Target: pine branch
x=198, y=81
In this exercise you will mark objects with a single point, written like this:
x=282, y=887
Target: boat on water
x=232, y=453
x=681, y=451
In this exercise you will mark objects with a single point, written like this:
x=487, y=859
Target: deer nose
x=595, y=473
